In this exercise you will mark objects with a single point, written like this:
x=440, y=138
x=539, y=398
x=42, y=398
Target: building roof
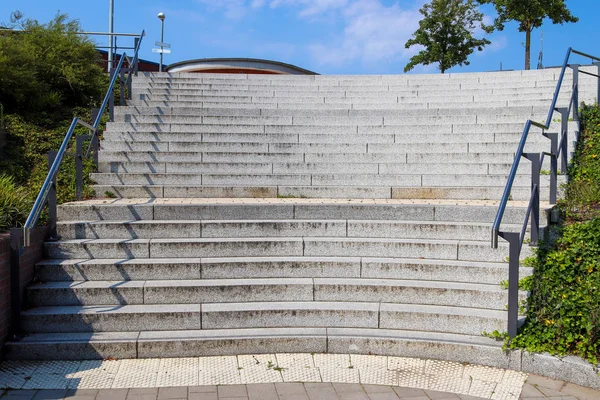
x=267, y=66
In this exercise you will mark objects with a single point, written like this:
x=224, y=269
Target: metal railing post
x=535, y=188
x=597, y=64
x=136, y=42
x=122, y=86
x=514, y=246
x=564, y=131
x=16, y=244
x=553, y=167
x=52, y=199
x=129, y=82
x=79, y=166
x=111, y=100
x=575, y=88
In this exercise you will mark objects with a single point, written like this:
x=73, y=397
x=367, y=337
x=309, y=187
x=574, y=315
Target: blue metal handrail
x=558, y=149
x=42, y=196
x=513, y=171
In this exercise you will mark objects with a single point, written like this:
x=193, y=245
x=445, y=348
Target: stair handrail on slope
x=558, y=149
x=48, y=191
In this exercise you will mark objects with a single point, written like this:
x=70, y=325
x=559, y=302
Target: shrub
x=14, y=206
x=563, y=314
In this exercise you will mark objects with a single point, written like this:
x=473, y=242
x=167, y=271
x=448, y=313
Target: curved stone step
x=274, y=228
x=278, y=246
x=110, y=318
x=194, y=343
x=315, y=179
x=170, y=291
x=147, y=269
x=288, y=208
x=269, y=289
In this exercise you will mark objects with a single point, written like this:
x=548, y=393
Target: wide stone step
x=274, y=228
x=350, y=136
x=323, y=87
x=165, y=114
x=352, y=315
x=280, y=246
x=411, y=128
x=129, y=318
x=429, y=92
x=249, y=209
x=193, y=343
x=106, y=156
x=170, y=291
x=267, y=290
x=317, y=192
x=151, y=269
x=316, y=179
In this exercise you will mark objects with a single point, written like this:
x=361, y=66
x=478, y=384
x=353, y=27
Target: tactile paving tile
x=250, y=361
x=93, y=380
x=12, y=381
x=340, y=375
x=482, y=388
x=301, y=360
x=137, y=373
x=445, y=368
x=47, y=381
x=219, y=371
x=378, y=376
x=301, y=374
x=510, y=386
x=18, y=367
x=57, y=367
x=178, y=372
x=413, y=380
x=260, y=374
x=104, y=366
x=449, y=383
x=483, y=373
x=332, y=360
x=415, y=365
x=367, y=361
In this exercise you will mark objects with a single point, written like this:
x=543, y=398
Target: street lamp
x=161, y=16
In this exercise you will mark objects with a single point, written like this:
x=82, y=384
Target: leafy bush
x=563, y=314
x=583, y=192
x=47, y=69
x=48, y=75
x=13, y=203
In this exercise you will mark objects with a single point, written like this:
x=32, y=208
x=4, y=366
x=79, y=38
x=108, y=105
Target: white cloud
x=232, y=9
x=373, y=33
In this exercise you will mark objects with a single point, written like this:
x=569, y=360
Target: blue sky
x=325, y=36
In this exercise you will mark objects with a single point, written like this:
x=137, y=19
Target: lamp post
x=111, y=40
x=161, y=16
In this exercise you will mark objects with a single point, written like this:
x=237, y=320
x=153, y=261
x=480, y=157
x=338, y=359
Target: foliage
x=447, y=34
x=582, y=200
x=530, y=14
x=48, y=69
x=564, y=307
x=13, y=204
x=48, y=75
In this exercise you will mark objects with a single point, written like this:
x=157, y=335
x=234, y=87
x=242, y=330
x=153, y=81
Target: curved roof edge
x=247, y=63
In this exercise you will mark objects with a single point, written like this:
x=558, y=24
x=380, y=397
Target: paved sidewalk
x=536, y=388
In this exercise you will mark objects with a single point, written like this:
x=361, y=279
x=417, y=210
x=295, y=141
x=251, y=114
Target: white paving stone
x=302, y=360
x=473, y=380
x=339, y=375
x=178, y=372
x=301, y=374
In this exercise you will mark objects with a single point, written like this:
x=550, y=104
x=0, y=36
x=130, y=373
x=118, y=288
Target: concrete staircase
x=292, y=214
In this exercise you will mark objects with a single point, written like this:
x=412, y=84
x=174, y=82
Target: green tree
x=447, y=33
x=47, y=69
x=530, y=14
